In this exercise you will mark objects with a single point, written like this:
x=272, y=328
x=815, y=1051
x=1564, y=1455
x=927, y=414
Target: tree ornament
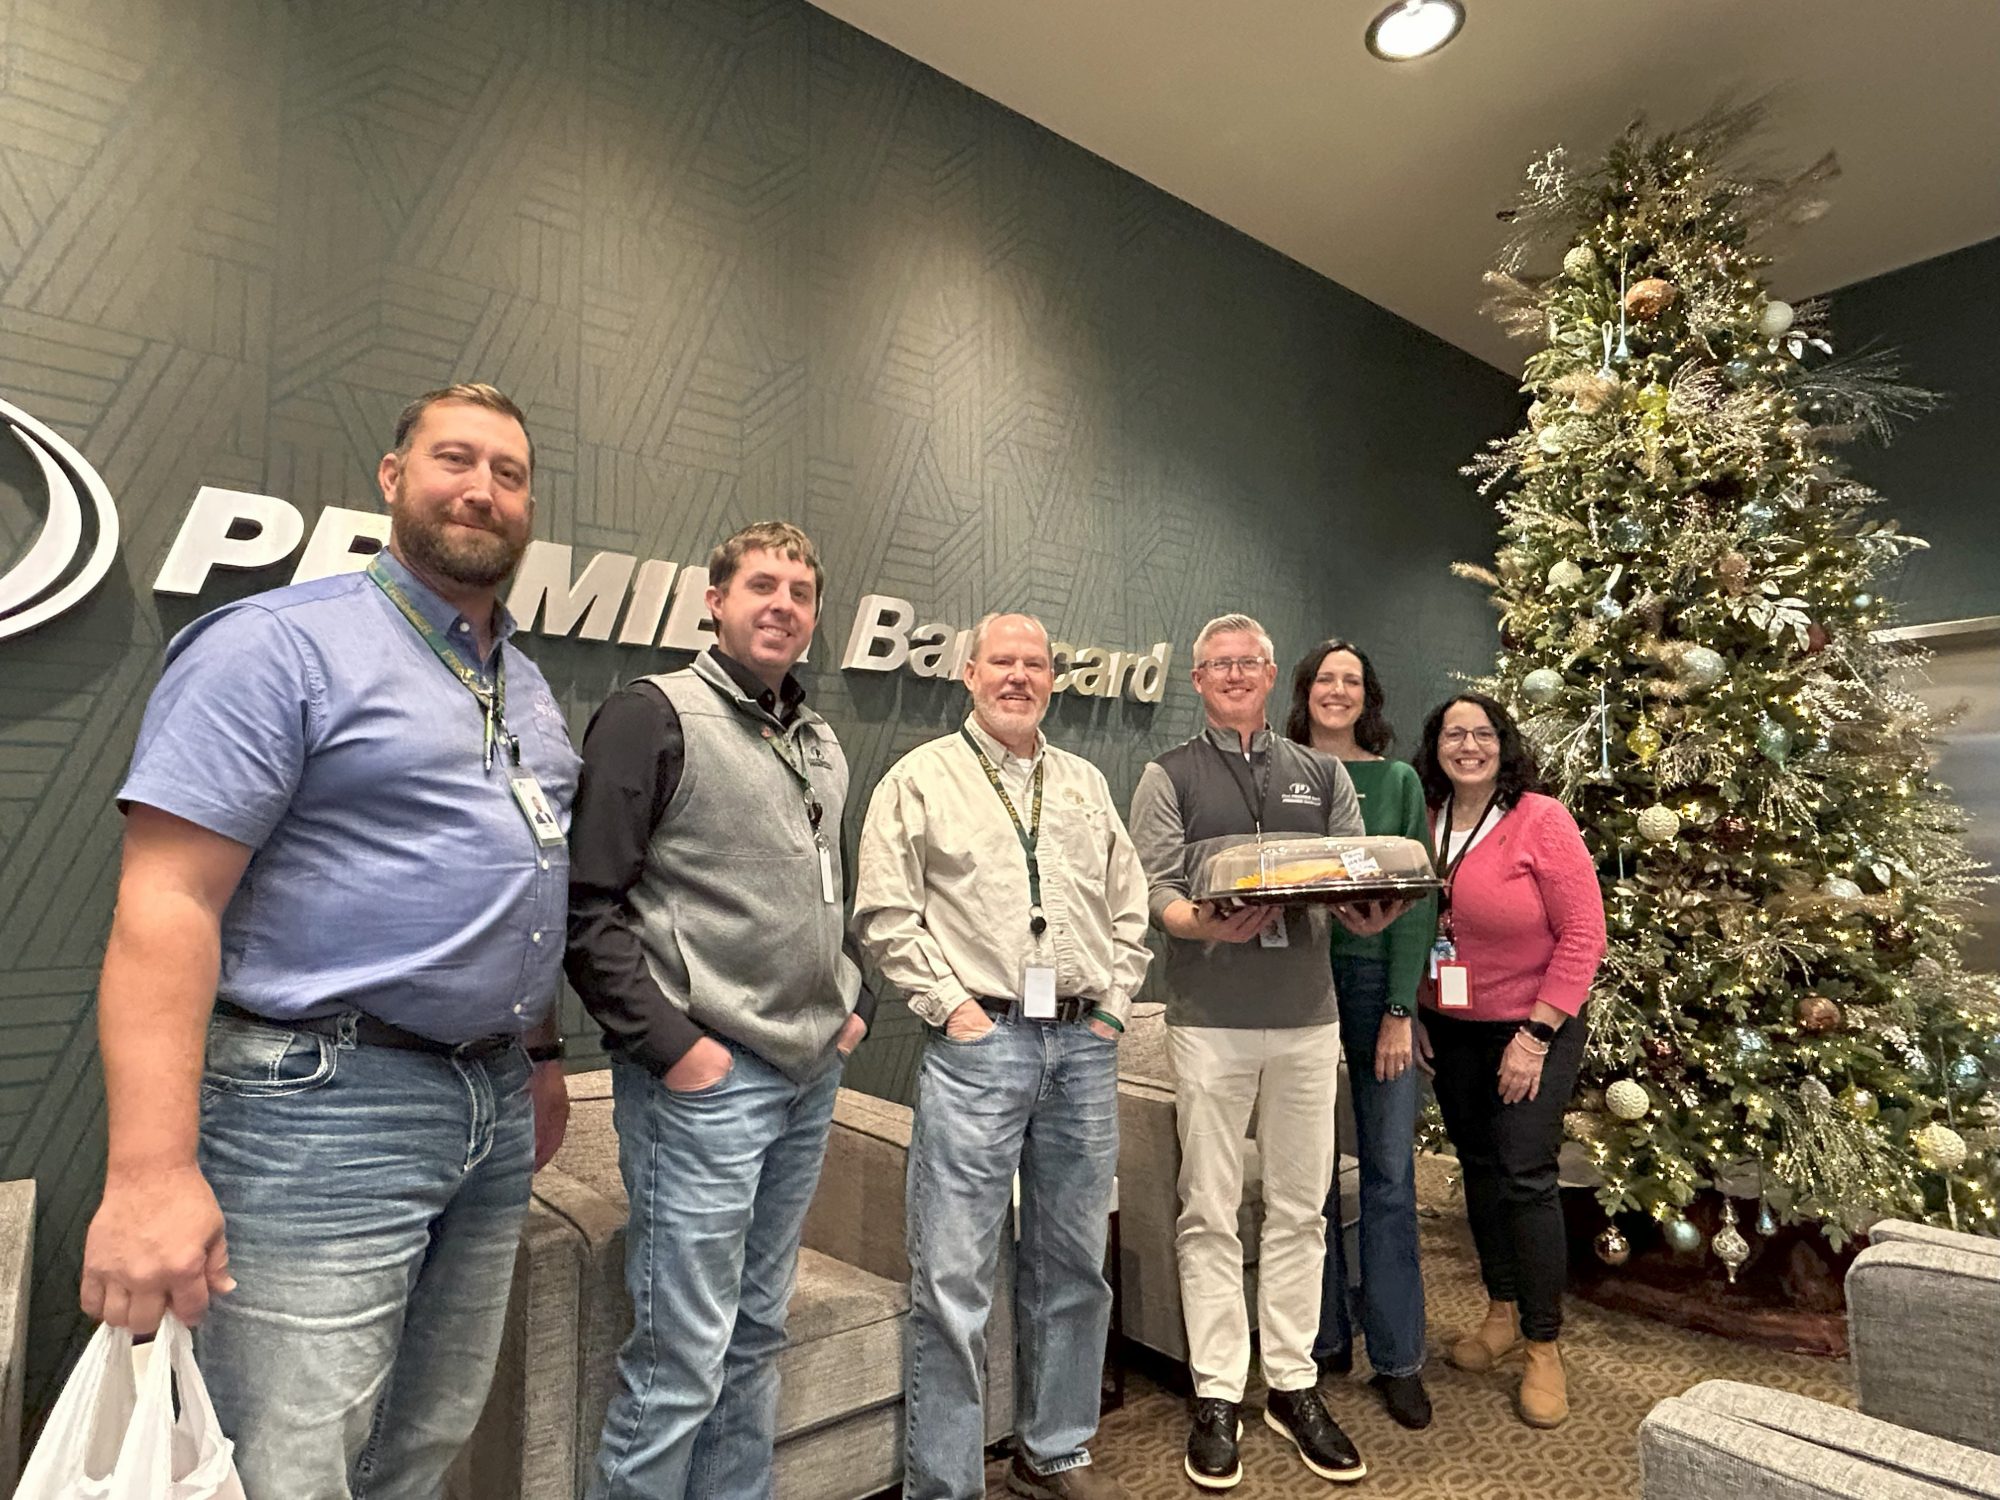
x=1733, y=568
x=1729, y=1245
x=1939, y=1147
x=1817, y=1014
x=1579, y=261
x=1650, y=297
x=1758, y=517
x=1817, y=638
x=1682, y=1237
x=1775, y=320
x=1701, y=667
x=1731, y=831
x=1564, y=574
x=1658, y=823
x=1628, y=533
x=1864, y=601
x=1644, y=742
x=1840, y=890
x=1749, y=1042
x=1541, y=686
x=1652, y=403
x=1627, y=1099
x=1767, y=1222
x=1966, y=1072
x=1774, y=741
x=1740, y=371
x=1608, y=609
x=1612, y=1247
x=1859, y=1102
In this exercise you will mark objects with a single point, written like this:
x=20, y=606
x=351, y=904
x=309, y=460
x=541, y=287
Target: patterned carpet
x=1477, y=1449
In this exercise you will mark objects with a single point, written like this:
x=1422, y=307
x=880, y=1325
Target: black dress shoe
x=1408, y=1402
x=1302, y=1417
x=1212, y=1461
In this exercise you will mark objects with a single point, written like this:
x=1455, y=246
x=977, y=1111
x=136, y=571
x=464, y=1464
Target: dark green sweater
x=1392, y=803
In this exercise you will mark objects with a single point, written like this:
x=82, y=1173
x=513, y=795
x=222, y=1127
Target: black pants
x=1507, y=1153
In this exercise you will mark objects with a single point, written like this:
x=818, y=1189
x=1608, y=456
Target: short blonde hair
x=781, y=537
x=468, y=393
x=1232, y=625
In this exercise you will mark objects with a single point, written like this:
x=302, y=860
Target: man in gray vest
x=707, y=938
x=1251, y=1025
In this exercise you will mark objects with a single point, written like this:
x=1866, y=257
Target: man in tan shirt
x=998, y=889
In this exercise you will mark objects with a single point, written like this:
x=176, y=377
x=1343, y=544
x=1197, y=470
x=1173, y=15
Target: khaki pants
x=1288, y=1077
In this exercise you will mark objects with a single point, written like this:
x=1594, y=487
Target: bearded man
x=327, y=1008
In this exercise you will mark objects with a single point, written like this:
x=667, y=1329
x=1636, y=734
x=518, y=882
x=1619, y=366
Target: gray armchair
x=1923, y=1315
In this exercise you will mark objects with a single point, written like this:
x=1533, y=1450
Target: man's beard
x=475, y=559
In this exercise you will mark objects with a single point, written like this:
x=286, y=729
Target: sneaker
x=1081, y=1483
x=1325, y=1449
x=1211, y=1460
x=1408, y=1402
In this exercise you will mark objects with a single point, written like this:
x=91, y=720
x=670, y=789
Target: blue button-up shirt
x=391, y=872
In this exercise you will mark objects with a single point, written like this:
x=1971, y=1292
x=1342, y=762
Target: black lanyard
x=492, y=700
x=1029, y=836
x=1452, y=861
x=1255, y=786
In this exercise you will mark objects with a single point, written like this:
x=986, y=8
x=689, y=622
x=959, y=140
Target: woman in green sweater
x=1337, y=708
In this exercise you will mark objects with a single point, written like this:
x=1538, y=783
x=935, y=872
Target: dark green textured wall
x=736, y=260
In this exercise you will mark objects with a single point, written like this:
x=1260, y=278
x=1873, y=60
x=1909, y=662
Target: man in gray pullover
x=1251, y=1024
x=707, y=937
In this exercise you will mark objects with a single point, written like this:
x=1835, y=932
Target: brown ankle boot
x=1492, y=1341
x=1544, y=1390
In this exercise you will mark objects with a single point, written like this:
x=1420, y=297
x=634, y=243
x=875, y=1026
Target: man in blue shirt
x=326, y=1012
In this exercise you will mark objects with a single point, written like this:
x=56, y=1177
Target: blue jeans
x=719, y=1181
x=1385, y=1124
x=1042, y=1098
x=373, y=1201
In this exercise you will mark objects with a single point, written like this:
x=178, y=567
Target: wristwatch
x=1400, y=1009
x=545, y=1052
x=1541, y=1031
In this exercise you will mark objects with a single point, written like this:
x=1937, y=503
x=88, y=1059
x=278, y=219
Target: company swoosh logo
x=55, y=572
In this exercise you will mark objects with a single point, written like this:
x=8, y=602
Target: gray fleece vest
x=735, y=927
x=1246, y=985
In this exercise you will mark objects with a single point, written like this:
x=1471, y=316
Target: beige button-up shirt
x=941, y=881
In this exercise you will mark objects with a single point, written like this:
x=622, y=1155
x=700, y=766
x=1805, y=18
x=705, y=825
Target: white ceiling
x=1272, y=116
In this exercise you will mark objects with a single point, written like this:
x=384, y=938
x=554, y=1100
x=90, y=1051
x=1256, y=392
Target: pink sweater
x=1528, y=916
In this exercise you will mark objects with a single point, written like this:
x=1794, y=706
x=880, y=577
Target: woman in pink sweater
x=1520, y=934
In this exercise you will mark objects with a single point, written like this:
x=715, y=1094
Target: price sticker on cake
x=1360, y=864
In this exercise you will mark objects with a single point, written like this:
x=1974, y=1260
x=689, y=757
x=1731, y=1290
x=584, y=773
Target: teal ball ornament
x=1702, y=667
x=1748, y=1042
x=1758, y=516
x=1541, y=686
x=1608, y=609
x=1628, y=533
x=1966, y=1072
x=1774, y=741
x=1682, y=1237
x=1740, y=371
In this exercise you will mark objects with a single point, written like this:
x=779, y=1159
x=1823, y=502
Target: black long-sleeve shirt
x=633, y=753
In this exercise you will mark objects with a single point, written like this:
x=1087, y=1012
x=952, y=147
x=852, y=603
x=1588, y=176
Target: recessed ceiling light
x=1414, y=28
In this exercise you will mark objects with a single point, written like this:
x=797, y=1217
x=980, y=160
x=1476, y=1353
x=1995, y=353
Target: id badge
x=1277, y=934
x=1454, y=985
x=829, y=891
x=534, y=805
x=1038, y=992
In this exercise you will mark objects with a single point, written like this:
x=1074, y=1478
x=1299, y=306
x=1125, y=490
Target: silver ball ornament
x=1658, y=823
x=1612, y=1247
x=1540, y=686
x=1702, y=667
x=1839, y=888
x=1627, y=1099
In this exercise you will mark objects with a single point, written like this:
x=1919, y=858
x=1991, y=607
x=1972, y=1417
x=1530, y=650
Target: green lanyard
x=492, y=701
x=1029, y=836
x=785, y=749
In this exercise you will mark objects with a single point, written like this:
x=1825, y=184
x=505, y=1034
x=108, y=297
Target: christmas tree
x=1689, y=589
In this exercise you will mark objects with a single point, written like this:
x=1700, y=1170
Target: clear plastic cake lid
x=1319, y=869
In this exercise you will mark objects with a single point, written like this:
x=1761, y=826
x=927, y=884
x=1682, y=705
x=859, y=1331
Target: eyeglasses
x=1224, y=666
x=1477, y=736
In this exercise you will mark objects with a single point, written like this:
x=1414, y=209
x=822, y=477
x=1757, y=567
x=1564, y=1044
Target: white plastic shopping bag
x=117, y=1435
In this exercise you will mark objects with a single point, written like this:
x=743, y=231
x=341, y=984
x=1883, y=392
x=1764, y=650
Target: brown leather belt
x=371, y=1032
